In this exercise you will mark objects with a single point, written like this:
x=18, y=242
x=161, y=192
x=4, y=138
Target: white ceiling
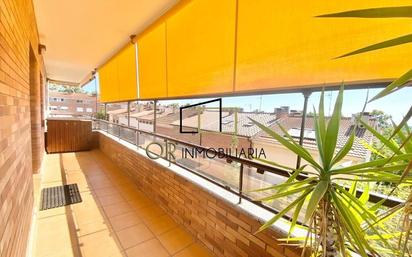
x=81, y=34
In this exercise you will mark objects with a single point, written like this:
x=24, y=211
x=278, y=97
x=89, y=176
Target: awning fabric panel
x=126, y=61
x=282, y=45
x=152, y=63
x=108, y=81
x=118, y=77
x=200, y=48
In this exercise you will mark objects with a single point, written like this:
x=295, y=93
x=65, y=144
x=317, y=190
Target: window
x=64, y=108
x=89, y=110
x=307, y=134
x=79, y=101
x=53, y=108
x=79, y=109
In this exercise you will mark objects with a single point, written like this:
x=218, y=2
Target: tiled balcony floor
x=114, y=219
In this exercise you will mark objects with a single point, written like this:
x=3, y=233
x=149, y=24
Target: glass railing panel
x=112, y=129
x=128, y=134
x=209, y=165
x=254, y=179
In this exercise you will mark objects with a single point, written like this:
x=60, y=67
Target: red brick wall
x=223, y=227
x=17, y=33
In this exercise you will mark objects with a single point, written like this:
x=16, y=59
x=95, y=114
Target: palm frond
x=381, y=45
x=383, y=12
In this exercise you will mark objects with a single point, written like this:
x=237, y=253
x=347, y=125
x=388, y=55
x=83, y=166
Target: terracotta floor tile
x=175, y=240
x=194, y=250
x=88, y=215
x=134, y=235
x=161, y=224
x=117, y=209
x=102, y=244
x=101, y=184
x=106, y=191
x=114, y=219
x=125, y=220
x=88, y=210
x=151, y=248
x=150, y=212
x=140, y=202
x=51, y=212
x=53, y=238
x=91, y=227
x=111, y=199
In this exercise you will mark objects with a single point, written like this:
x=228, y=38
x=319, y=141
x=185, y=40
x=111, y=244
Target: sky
x=397, y=104
x=91, y=86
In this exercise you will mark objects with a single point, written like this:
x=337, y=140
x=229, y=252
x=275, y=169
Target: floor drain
x=53, y=197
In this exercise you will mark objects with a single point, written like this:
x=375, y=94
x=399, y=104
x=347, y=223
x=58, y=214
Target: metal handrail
x=373, y=197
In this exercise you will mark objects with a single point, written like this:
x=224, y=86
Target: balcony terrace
x=86, y=87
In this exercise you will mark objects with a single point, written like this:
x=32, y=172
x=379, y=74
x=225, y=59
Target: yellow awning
x=282, y=45
x=152, y=63
x=212, y=47
x=117, y=77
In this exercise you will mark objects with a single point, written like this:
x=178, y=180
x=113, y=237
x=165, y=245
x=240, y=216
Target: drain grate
x=53, y=197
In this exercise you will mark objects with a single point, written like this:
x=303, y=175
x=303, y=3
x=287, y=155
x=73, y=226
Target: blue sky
x=91, y=86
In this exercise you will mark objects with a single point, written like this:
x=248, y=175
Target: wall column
x=37, y=135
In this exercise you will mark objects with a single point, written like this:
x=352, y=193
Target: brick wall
x=18, y=33
x=221, y=226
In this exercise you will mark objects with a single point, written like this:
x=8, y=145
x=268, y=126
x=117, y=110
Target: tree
x=384, y=120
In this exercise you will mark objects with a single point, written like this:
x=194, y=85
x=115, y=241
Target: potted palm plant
x=337, y=222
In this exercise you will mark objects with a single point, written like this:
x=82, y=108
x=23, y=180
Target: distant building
x=291, y=122
x=71, y=104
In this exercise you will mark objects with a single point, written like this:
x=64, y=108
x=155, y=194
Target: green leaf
x=318, y=193
x=385, y=44
x=297, y=149
x=371, y=148
x=352, y=226
x=332, y=131
x=284, y=211
x=345, y=149
x=291, y=139
x=404, y=137
x=320, y=127
x=364, y=198
x=403, y=122
x=355, y=203
x=395, y=85
x=374, y=163
x=285, y=193
x=381, y=138
x=383, y=12
x=284, y=185
x=295, y=217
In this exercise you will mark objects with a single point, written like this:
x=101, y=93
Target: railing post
x=154, y=118
x=136, y=138
x=128, y=113
x=306, y=95
x=240, y=183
